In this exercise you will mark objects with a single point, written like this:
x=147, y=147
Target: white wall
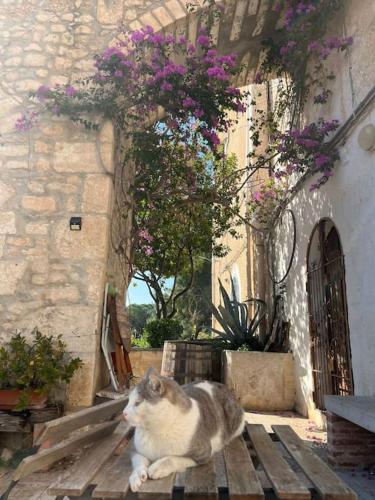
x=349, y=200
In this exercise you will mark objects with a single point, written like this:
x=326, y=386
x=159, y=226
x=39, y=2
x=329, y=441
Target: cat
x=177, y=427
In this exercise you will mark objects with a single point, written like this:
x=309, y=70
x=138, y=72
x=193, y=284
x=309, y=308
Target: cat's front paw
x=136, y=479
x=160, y=468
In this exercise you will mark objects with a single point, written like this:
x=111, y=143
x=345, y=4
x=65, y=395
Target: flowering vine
x=299, y=58
x=182, y=195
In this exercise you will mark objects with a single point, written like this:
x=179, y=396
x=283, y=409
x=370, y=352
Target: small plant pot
x=9, y=399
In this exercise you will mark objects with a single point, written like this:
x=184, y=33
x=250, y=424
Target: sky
x=139, y=294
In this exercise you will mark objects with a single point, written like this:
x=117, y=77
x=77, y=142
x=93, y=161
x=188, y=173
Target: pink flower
x=149, y=251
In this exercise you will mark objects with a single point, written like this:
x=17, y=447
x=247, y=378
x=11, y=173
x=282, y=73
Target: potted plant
x=261, y=380
x=29, y=370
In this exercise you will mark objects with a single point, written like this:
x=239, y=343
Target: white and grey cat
x=178, y=426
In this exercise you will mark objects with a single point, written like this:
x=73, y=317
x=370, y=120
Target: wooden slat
x=325, y=481
x=83, y=473
x=157, y=488
x=221, y=472
x=200, y=482
x=61, y=427
x=114, y=477
x=286, y=484
x=49, y=456
x=243, y=483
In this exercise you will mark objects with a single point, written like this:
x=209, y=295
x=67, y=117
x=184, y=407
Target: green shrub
x=140, y=342
x=39, y=365
x=159, y=330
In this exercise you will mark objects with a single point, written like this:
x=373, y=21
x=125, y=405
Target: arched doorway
x=329, y=328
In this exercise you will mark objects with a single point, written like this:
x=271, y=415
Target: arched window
x=329, y=328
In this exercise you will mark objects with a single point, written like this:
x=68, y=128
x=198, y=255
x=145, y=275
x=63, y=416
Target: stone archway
x=51, y=277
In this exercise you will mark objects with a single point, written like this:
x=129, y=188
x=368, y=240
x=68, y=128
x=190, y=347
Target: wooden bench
x=351, y=430
x=255, y=466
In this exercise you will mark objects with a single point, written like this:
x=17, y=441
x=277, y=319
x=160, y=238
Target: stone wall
x=51, y=277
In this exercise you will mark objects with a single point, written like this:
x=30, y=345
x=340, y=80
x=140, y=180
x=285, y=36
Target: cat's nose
x=125, y=415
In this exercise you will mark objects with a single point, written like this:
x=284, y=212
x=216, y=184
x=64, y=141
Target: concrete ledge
x=357, y=409
x=262, y=381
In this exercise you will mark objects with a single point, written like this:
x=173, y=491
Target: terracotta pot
x=9, y=399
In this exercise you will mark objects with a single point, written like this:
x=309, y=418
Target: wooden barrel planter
x=189, y=361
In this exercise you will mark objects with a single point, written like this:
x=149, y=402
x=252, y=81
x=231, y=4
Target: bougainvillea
x=184, y=190
x=299, y=59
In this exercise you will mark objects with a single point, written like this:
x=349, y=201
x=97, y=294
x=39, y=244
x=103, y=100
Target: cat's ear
x=154, y=381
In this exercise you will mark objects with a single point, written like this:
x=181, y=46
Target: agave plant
x=239, y=331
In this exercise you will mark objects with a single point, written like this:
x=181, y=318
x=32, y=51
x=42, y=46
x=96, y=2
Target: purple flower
x=233, y=91
x=42, y=91
x=203, y=40
x=198, y=113
x=118, y=74
x=218, y=73
x=26, y=121
x=166, y=86
x=188, y=102
x=321, y=160
x=70, y=91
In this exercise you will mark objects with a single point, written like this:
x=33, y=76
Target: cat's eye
x=137, y=403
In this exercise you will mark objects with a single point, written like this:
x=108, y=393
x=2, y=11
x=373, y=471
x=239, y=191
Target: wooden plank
x=243, y=483
x=114, y=477
x=221, y=471
x=83, y=473
x=325, y=481
x=286, y=484
x=49, y=456
x=200, y=482
x=61, y=427
x=158, y=489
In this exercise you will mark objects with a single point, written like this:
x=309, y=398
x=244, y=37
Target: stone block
x=6, y=192
x=63, y=294
x=109, y=13
x=261, y=381
x=39, y=203
x=36, y=186
x=15, y=149
x=2, y=244
x=7, y=223
x=34, y=60
x=11, y=273
x=95, y=282
x=97, y=194
x=40, y=228
x=89, y=243
x=106, y=146
x=76, y=157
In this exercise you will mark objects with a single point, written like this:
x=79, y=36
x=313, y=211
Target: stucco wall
x=262, y=381
x=347, y=199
